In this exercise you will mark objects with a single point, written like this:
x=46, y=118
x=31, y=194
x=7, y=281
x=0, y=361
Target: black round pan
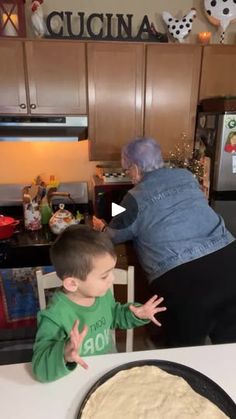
x=199, y=382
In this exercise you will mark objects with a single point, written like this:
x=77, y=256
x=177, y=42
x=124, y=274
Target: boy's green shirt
x=55, y=324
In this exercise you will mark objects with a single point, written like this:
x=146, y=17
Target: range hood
x=43, y=128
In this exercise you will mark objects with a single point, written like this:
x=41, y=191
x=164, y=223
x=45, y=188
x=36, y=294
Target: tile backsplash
x=11, y=194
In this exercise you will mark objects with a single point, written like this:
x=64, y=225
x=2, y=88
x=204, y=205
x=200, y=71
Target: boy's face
x=100, y=279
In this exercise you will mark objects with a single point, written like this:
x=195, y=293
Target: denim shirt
x=173, y=223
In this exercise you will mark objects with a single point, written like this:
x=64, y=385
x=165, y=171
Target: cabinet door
x=115, y=94
x=12, y=78
x=218, y=71
x=172, y=82
x=56, y=76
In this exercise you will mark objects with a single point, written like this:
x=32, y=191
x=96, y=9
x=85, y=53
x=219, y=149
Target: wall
x=21, y=162
x=139, y=8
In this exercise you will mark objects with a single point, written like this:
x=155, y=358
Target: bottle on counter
x=45, y=210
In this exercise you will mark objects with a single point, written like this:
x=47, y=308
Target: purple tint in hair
x=144, y=152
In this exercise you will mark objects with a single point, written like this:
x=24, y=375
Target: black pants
x=200, y=297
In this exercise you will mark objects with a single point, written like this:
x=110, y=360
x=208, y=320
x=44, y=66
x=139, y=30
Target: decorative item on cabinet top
x=12, y=18
x=37, y=19
x=179, y=28
x=221, y=14
x=43, y=128
x=101, y=26
x=204, y=38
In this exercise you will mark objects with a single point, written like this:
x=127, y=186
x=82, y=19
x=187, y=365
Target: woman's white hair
x=144, y=152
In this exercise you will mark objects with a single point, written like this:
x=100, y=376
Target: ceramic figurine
x=179, y=28
x=221, y=13
x=37, y=19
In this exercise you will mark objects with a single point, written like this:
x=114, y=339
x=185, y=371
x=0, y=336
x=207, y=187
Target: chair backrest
x=122, y=277
x=126, y=277
x=46, y=281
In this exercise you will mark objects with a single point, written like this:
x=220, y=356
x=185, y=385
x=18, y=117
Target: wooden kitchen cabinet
x=115, y=96
x=12, y=78
x=172, y=83
x=43, y=77
x=218, y=71
x=56, y=77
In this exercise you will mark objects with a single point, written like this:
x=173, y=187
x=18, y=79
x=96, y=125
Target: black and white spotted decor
x=221, y=13
x=179, y=28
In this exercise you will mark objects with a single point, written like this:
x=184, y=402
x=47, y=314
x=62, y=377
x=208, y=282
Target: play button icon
x=125, y=214
x=116, y=209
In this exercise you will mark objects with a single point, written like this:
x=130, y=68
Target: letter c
x=48, y=23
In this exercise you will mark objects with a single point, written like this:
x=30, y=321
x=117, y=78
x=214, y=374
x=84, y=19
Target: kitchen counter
x=25, y=248
x=61, y=399
x=31, y=249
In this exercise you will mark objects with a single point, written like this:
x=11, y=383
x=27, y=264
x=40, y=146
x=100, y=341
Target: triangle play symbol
x=116, y=209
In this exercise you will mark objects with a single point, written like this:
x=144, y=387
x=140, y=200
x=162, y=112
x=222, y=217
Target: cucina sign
x=108, y=27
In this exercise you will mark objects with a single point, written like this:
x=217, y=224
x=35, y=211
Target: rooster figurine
x=37, y=18
x=179, y=28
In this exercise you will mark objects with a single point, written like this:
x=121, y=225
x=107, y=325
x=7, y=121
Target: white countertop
x=21, y=397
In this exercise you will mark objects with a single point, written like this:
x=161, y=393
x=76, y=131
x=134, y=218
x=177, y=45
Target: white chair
x=122, y=277
x=126, y=277
x=46, y=281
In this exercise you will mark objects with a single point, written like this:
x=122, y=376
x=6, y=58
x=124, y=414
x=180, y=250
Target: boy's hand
x=72, y=347
x=149, y=309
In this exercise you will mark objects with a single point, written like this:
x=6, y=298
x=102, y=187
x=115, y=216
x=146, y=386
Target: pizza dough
x=147, y=392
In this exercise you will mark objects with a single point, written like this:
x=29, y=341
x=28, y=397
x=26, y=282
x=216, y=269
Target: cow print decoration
x=221, y=13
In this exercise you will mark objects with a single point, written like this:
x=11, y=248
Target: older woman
x=186, y=251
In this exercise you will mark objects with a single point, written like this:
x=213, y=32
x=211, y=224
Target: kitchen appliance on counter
x=61, y=219
x=216, y=144
x=112, y=173
x=103, y=194
x=43, y=128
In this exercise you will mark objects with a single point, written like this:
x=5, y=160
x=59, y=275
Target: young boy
x=79, y=318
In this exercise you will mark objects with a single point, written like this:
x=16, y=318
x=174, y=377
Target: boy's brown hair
x=73, y=251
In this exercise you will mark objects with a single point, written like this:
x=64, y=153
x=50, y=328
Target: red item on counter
x=7, y=226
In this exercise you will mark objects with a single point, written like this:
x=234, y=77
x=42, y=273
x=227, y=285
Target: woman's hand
x=98, y=224
x=71, y=352
x=149, y=309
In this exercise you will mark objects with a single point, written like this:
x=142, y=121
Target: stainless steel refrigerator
x=216, y=140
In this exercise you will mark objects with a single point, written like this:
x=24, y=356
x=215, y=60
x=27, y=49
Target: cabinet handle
x=23, y=106
x=33, y=106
